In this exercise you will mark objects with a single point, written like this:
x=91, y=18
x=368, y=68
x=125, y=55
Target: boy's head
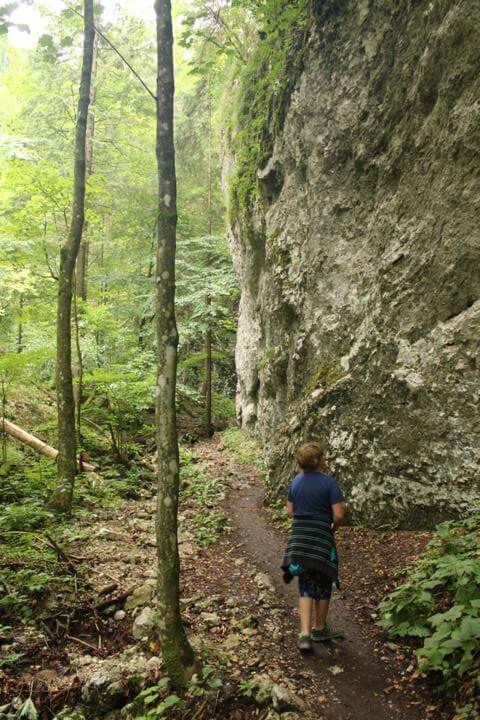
x=311, y=457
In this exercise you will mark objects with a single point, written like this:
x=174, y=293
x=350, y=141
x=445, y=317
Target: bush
x=121, y=396
x=20, y=589
x=223, y=408
x=26, y=478
x=439, y=604
x=30, y=516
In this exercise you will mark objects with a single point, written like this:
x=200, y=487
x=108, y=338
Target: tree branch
x=45, y=252
x=116, y=50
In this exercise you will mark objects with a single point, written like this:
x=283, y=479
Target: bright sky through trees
x=29, y=15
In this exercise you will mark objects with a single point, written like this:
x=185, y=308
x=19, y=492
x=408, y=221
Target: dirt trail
x=227, y=602
x=353, y=682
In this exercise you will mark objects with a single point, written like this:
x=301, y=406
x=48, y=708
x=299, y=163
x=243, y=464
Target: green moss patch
x=264, y=92
x=325, y=376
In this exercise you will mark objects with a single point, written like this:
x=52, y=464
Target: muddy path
x=353, y=682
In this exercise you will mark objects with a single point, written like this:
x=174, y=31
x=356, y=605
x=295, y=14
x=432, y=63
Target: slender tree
x=20, y=325
x=83, y=251
x=176, y=650
x=67, y=461
x=208, y=366
x=208, y=297
x=81, y=266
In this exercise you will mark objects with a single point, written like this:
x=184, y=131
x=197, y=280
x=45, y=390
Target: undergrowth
x=205, y=493
x=279, y=515
x=159, y=700
x=30, y=567
x=439, y=606
x=212, y=692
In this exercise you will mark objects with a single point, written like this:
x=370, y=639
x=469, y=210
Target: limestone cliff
x=359, y=260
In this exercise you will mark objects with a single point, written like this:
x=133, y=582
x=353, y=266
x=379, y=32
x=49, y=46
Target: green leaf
x=163, y=683
x=28, y=710
x=214, y=683
x=469, y=629
x=455, y=612
x=46, y=41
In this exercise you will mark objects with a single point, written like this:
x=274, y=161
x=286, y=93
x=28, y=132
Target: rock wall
x=360, y=264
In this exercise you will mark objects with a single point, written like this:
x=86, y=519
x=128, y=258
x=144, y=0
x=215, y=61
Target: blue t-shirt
x=314, y=493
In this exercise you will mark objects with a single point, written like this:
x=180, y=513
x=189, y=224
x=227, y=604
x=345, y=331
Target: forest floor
x=235, y=605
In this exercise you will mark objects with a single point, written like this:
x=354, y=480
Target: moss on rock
x=263, y=96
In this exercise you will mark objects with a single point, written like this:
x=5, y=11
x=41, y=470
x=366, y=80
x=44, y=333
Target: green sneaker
x=304, y=643
x=327, y=633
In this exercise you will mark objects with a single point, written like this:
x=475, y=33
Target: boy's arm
x=337, y=502
x=290, y=500
x=338, y=511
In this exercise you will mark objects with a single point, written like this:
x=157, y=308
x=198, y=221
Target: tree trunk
x=17, y=433
x=77, y=369
x=66, y=461
x=208, y=369
x=20, y=327
x=83, y=252
x=105, y=239
x=208, y=297
x=3, y=426
x=176, y=650
x=82, y=258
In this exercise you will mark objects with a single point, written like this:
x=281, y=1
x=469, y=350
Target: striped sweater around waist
x=312, y=545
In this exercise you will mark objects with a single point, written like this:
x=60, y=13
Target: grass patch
x=244, y=447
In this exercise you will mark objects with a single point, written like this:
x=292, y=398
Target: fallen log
x=18, y=434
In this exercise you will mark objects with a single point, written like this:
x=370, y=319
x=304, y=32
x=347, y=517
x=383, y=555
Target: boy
x=316, y=504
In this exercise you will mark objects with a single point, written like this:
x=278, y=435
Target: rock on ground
x=144, y=624
x=112, y=682
x=283, y=699
x=141, y=595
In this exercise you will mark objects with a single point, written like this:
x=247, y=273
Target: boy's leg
x=305, y=605
x=321, y=630
x=321, y=612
